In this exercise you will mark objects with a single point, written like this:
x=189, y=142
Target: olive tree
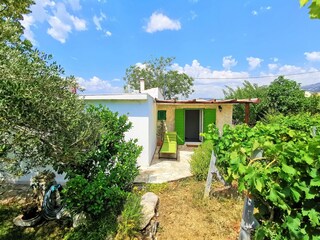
x=157, y=73
x=41, y=121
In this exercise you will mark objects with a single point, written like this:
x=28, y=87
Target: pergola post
x=247, y=113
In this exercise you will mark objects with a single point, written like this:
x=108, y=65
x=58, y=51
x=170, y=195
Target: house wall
x=143, y=116
x=222, y=118
x=141, y=113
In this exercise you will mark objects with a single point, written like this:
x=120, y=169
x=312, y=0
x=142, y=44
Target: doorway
x=192, y=125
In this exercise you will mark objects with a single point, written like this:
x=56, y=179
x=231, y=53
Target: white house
x=141, y=110
x=146, y=108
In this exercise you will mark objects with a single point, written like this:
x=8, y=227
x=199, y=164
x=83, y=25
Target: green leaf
x=295, y=194
x=293, y=225
x=314, y=217
x=315, y=182
x=288, y=169
x=308, y=159
x=273, y=196
x=258, y=184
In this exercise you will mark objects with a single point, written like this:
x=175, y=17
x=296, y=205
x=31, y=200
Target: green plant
x=200, y=160
x=157, y=73
x=284, y=182
x=100, y=182
x=129, y=221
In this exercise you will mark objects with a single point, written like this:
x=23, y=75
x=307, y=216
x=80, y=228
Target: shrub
x=101, y=181
x=130, y=218
x=285, y=182
x=200, y=160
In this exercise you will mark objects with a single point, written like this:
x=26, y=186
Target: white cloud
x=97, y=85
x=208, y=82
x=228, y=62
x=75, y=4
x=60, y=20
x=254, y=62
x=260, y=10
x=312, y=56
x=108, y=33
x=160, y=22
x=275, y=59
x=267, y=8
x=272, y=66
x=58, y=30
x=79, y=24
x=97, y=20
x=193, y=15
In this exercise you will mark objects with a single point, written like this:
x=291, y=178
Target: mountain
x=312, y=87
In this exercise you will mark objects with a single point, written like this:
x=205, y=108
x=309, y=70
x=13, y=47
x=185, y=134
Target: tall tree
x=314, y=8
x=157, y=73
x=41, y=121
x=248, y=90
x=285, y=96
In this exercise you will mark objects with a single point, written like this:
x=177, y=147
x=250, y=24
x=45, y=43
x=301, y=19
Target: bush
x=200, y=160
x=130, y=218
x=101, y=182
x=285, y=182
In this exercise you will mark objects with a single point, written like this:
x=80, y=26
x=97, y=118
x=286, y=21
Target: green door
x=179, y=125
x=209, y=116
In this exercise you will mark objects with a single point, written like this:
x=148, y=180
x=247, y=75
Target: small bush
x=101, y=182
x=200, y=160
x=130, y=218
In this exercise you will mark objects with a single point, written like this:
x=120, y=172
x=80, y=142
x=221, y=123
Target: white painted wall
x=142, y=114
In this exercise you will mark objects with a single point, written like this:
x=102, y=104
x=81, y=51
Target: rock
x=149, y=203
x=79, y=219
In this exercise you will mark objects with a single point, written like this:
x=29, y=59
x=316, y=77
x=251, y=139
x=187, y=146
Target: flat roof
x=122, y=97
x=211, y=101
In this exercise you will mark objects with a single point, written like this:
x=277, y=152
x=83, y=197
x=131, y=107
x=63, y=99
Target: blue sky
x=217, y=42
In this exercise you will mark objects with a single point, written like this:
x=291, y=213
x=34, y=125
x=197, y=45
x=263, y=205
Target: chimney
x=141, y=85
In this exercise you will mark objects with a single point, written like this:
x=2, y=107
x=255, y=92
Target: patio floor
x=165, y=169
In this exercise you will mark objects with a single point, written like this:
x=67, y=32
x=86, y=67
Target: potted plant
x=160, y=132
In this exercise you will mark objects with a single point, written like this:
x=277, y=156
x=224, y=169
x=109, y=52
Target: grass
x=48, y=230
x=183, y=214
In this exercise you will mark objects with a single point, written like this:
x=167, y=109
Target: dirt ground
x=184, y=214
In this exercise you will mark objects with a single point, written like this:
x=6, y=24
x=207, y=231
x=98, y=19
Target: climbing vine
x=285, y=181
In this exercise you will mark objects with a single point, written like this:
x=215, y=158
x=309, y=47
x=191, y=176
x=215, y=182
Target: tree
x=41, y=122
x=285, y=96
x=314, y=8
x=101, y=181
x=248, y=90
x=157, y=73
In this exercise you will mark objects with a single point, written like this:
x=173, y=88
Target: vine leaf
x=295, y=194
x=315, y=182
x=288, y=169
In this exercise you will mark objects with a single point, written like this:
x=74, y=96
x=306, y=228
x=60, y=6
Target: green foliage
x=314, y=8
x=41, y=121
x=157, y=73
x=100, y=181
x=200, y=160
x=129, y=221
x=248, y=90
x=285, y=96
x=285, y=182
x=99, y=228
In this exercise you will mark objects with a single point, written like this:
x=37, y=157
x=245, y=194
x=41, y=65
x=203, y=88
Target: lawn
x=182, y=214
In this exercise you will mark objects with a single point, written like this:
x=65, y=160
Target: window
x=162, y=115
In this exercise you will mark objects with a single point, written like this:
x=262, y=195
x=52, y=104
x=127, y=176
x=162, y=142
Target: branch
x=256, y=159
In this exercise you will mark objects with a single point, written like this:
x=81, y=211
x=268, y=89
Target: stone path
x=166, y=170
